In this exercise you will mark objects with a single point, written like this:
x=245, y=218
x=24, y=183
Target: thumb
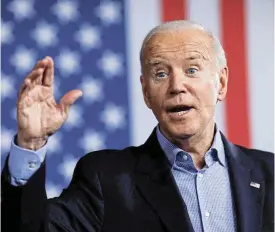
x=69, y=98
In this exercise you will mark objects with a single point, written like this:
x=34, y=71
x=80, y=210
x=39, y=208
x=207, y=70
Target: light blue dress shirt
x=206, y=192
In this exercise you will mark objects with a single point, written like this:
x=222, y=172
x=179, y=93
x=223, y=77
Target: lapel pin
x=254, y=184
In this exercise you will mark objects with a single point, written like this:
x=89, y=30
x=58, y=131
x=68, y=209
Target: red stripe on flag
x=234, y=42
x=173, y=10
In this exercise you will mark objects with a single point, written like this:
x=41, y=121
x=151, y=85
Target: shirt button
x=185, y=157
x=207, y=214
x=32, y=165
x=200, y=175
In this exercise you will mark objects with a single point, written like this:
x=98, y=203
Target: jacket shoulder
x=257, y=154
x=263, y=159
x=110, y=159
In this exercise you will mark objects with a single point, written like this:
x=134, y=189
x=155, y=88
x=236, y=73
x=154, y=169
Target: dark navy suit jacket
x=133, y=190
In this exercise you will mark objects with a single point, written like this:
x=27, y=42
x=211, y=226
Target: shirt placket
x=205, y=213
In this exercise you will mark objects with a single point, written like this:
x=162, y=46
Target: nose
x=177, y=83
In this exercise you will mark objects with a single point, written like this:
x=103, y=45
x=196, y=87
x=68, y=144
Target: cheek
x=212, y=90
x=155, y=100
x=156, y=97
x=208, y=94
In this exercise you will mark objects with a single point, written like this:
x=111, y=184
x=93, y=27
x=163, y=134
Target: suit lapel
x=246, y=197
x=155, y=181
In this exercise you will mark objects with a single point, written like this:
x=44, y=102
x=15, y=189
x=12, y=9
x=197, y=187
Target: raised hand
x=38, y=114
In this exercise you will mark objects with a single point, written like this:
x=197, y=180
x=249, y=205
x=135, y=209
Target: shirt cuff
x=23, y=163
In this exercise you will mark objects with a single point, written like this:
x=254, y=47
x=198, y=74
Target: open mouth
x=179, y=110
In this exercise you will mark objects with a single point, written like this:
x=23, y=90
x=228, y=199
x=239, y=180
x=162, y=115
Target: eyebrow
x=194, y=57
x=155, y=62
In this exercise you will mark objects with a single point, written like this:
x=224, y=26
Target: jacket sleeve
x=80, y=207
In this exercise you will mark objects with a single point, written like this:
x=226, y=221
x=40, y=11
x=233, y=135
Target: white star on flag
x=23, y=59
x=109, y=12
x=45, y=34
x=88, y=37
x=92, y=141
x=21, y=9
x=68, y=62
x=92, y=89
x=66, y=10
x=111, y=64
x=113, y=117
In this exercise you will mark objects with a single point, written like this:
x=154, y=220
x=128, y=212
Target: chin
x=179, y=130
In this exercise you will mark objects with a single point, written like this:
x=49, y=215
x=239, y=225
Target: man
x=186, y=177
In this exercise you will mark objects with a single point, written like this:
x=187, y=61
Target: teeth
x=182, y=112
x=179, y=113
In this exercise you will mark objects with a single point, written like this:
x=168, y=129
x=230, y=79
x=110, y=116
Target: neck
x=197, y=145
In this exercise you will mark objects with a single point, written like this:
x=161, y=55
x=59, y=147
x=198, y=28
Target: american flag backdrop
x=95, y=45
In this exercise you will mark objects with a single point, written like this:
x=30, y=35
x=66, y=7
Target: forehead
x=179, y=44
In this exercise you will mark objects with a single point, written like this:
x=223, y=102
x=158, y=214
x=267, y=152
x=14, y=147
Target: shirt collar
x=171, y=149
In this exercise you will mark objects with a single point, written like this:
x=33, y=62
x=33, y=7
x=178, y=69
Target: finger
x=38, y=63
x=69, y=98
x=48, y=77
x=35, y=75
x=30, y=80
x=23, y=87
x=42, y=64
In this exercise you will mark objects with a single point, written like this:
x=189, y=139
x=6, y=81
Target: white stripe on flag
x=141, y=16
x=260, y=31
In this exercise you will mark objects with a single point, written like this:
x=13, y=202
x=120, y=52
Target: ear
x=223, y=80
x=145, y=91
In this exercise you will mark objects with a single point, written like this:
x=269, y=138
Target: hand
x=38, y=114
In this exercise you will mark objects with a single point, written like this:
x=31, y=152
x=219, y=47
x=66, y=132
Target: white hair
x=181, y=25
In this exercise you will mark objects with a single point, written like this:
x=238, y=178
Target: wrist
x=30, y=144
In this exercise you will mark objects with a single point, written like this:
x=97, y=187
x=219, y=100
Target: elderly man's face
x=181, y=82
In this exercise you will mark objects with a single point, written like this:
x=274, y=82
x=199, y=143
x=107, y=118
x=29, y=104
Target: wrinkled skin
x=38, y=114
x=179, y=69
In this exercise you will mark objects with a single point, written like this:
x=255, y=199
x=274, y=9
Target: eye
x=191, y=71
x=161, y=75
